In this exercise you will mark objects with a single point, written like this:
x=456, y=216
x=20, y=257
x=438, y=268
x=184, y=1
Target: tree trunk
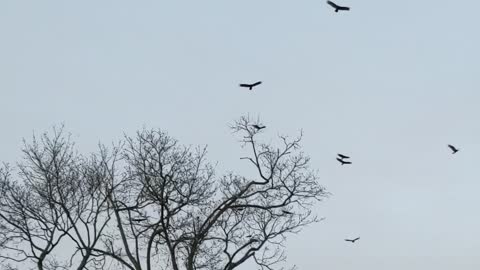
x=84, y=261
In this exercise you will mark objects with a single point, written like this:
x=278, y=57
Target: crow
x=337, y=7
x=352, y=240
x=343, y=161
x=455, y=150
x=250, y=86
x=343, y=156
x=258, y=127
x=287, y=212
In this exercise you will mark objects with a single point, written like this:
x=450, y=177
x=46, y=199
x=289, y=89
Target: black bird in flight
x=250, y=86
x=455, y=150
x=352, y=240
x=343, y=156
x=258, y=127
x=343, y=161
x=337, y=7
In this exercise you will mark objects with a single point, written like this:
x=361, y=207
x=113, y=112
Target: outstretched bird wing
x=340, y=160
x=452, y=147
x=356, y=239
x=333, y=4
x=245, y=85
x=343, y=156
x=257, y=83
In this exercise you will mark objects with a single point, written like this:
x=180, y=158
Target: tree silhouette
x=151, y=203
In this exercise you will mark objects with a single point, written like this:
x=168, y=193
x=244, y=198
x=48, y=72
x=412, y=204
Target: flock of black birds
x=343, y=159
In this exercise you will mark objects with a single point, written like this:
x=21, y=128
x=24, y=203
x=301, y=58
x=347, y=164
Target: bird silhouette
x=343, y=161
x=343, y=156
x=352, y=240
x=257, y=127
x=337, y=7
x=250, y=86
x=454, y=149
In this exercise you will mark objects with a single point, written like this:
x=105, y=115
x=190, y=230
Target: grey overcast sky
x=390, y=83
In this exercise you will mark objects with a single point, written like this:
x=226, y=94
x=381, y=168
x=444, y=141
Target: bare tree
x=151, y=203
x=32, y=221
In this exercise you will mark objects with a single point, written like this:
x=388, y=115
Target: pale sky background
x=390, y=83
